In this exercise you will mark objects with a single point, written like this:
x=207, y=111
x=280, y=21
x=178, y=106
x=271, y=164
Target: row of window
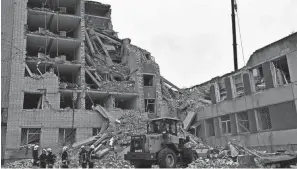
x=66, y=136
x=282, y=76
x=243, y=124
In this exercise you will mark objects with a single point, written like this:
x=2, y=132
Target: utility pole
x=233, y=6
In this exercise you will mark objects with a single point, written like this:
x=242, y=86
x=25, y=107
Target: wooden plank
x=187, y=122
x=98, y=76
x=93, y=78
x=28, y=70
x=91, y=47
x=39, y=103
x=104, y=36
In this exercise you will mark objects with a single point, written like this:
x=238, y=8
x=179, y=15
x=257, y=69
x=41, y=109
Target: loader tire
x=143, y=166
x=167, y=158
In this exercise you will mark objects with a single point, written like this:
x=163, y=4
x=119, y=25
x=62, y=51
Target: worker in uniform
x=35, y=155
x=64, y=157
x=42, y=159
x=91, y=155
x=83, y=157
x=50, y=158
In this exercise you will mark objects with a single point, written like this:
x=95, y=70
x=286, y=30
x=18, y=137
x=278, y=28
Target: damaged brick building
x=59, y=58
x=256, y=104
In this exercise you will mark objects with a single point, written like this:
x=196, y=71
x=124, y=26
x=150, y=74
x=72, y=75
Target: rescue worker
x=83, y=157
x=42, y=158
x=35, y=155
x=64, y=157
x=234, y=151
x=50, y=158
x=91, y=155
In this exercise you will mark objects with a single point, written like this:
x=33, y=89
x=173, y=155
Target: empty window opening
x=125, y=103
x=96, y=131
x=32, y=101
x=68, y=100
x=67, y=136
x=226, y=124
x=264, y=119
x=243, y=122
x=259, y=78
x=51, y=50
x=95, y=101
x=149, y=105
x=148, y=80
x=147, y=56
x=222, y=88
x=238, y=82
x=69, y=79
x=209, y=127
x=30, y=136
x=282, y=71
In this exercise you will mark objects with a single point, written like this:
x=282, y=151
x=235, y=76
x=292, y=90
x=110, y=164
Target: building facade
x=257, y=104
x=58, y=59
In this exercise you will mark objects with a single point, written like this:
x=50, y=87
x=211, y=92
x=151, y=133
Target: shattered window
x=148, y=80
x=243, y=122
x=209, y=127
x=149, y=105
x=238, y=82
x=282, y=71
x=155, y=127
x=30, y=136
x=32, y=101
x=96, y=131
x=259, y=78
x=226, y=124
x=67, y=136
x=264, y=119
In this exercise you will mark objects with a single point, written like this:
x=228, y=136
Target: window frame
x=226, y=123
x=27, y=130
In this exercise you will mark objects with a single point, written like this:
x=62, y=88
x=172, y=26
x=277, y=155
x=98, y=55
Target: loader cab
x=162, y=126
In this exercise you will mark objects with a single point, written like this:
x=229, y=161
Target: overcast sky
x=191, y=40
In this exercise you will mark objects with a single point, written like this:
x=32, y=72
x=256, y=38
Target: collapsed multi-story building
x=256, y=104
x=60, y=58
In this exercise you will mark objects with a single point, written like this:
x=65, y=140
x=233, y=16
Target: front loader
x=160, y=146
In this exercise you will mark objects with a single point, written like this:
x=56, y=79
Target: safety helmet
x=65, y=148
x=49, y=150
x=82, y=147
x=36, y=147
x=92, y=147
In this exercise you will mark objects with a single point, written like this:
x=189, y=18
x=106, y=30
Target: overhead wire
x=239, y=31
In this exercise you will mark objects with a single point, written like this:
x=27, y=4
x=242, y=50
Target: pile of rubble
x=26, y=163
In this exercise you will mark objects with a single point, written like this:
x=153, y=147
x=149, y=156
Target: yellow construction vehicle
x=160, y=146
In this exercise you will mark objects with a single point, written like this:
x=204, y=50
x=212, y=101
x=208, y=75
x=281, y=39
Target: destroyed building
x=256, y=105
x=59, y=59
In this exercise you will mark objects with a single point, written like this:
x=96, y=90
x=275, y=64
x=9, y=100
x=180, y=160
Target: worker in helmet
x=91, y=155
x=50, y=158
x=64, y=157
x=35, y=155
x=83, y=157
x=42, y=158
